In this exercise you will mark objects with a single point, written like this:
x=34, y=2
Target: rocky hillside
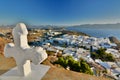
x=115, y=40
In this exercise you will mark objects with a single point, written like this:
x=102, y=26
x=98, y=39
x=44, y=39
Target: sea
x=97, y=32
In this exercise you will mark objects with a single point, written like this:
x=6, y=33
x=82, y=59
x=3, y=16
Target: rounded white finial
x=20, y=28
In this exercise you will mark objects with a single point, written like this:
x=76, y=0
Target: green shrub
x=101, y=54
x=79, y=66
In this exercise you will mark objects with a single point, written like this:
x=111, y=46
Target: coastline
x=97, y=32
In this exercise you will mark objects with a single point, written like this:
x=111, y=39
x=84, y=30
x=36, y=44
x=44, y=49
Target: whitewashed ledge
x=37, y=73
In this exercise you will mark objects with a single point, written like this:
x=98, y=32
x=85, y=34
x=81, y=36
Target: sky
x=59, y=12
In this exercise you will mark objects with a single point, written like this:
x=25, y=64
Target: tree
x=85, y=68
x=94, y=55
x=101, y=54
x=110, y=57
x=79, y=66
x=62, y=62
x=74, y=65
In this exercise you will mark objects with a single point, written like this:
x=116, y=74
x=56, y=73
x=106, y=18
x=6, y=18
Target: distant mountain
x=104, y=26
x=7, y=26
x=34, y=26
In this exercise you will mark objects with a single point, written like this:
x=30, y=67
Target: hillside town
x=80, y=46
